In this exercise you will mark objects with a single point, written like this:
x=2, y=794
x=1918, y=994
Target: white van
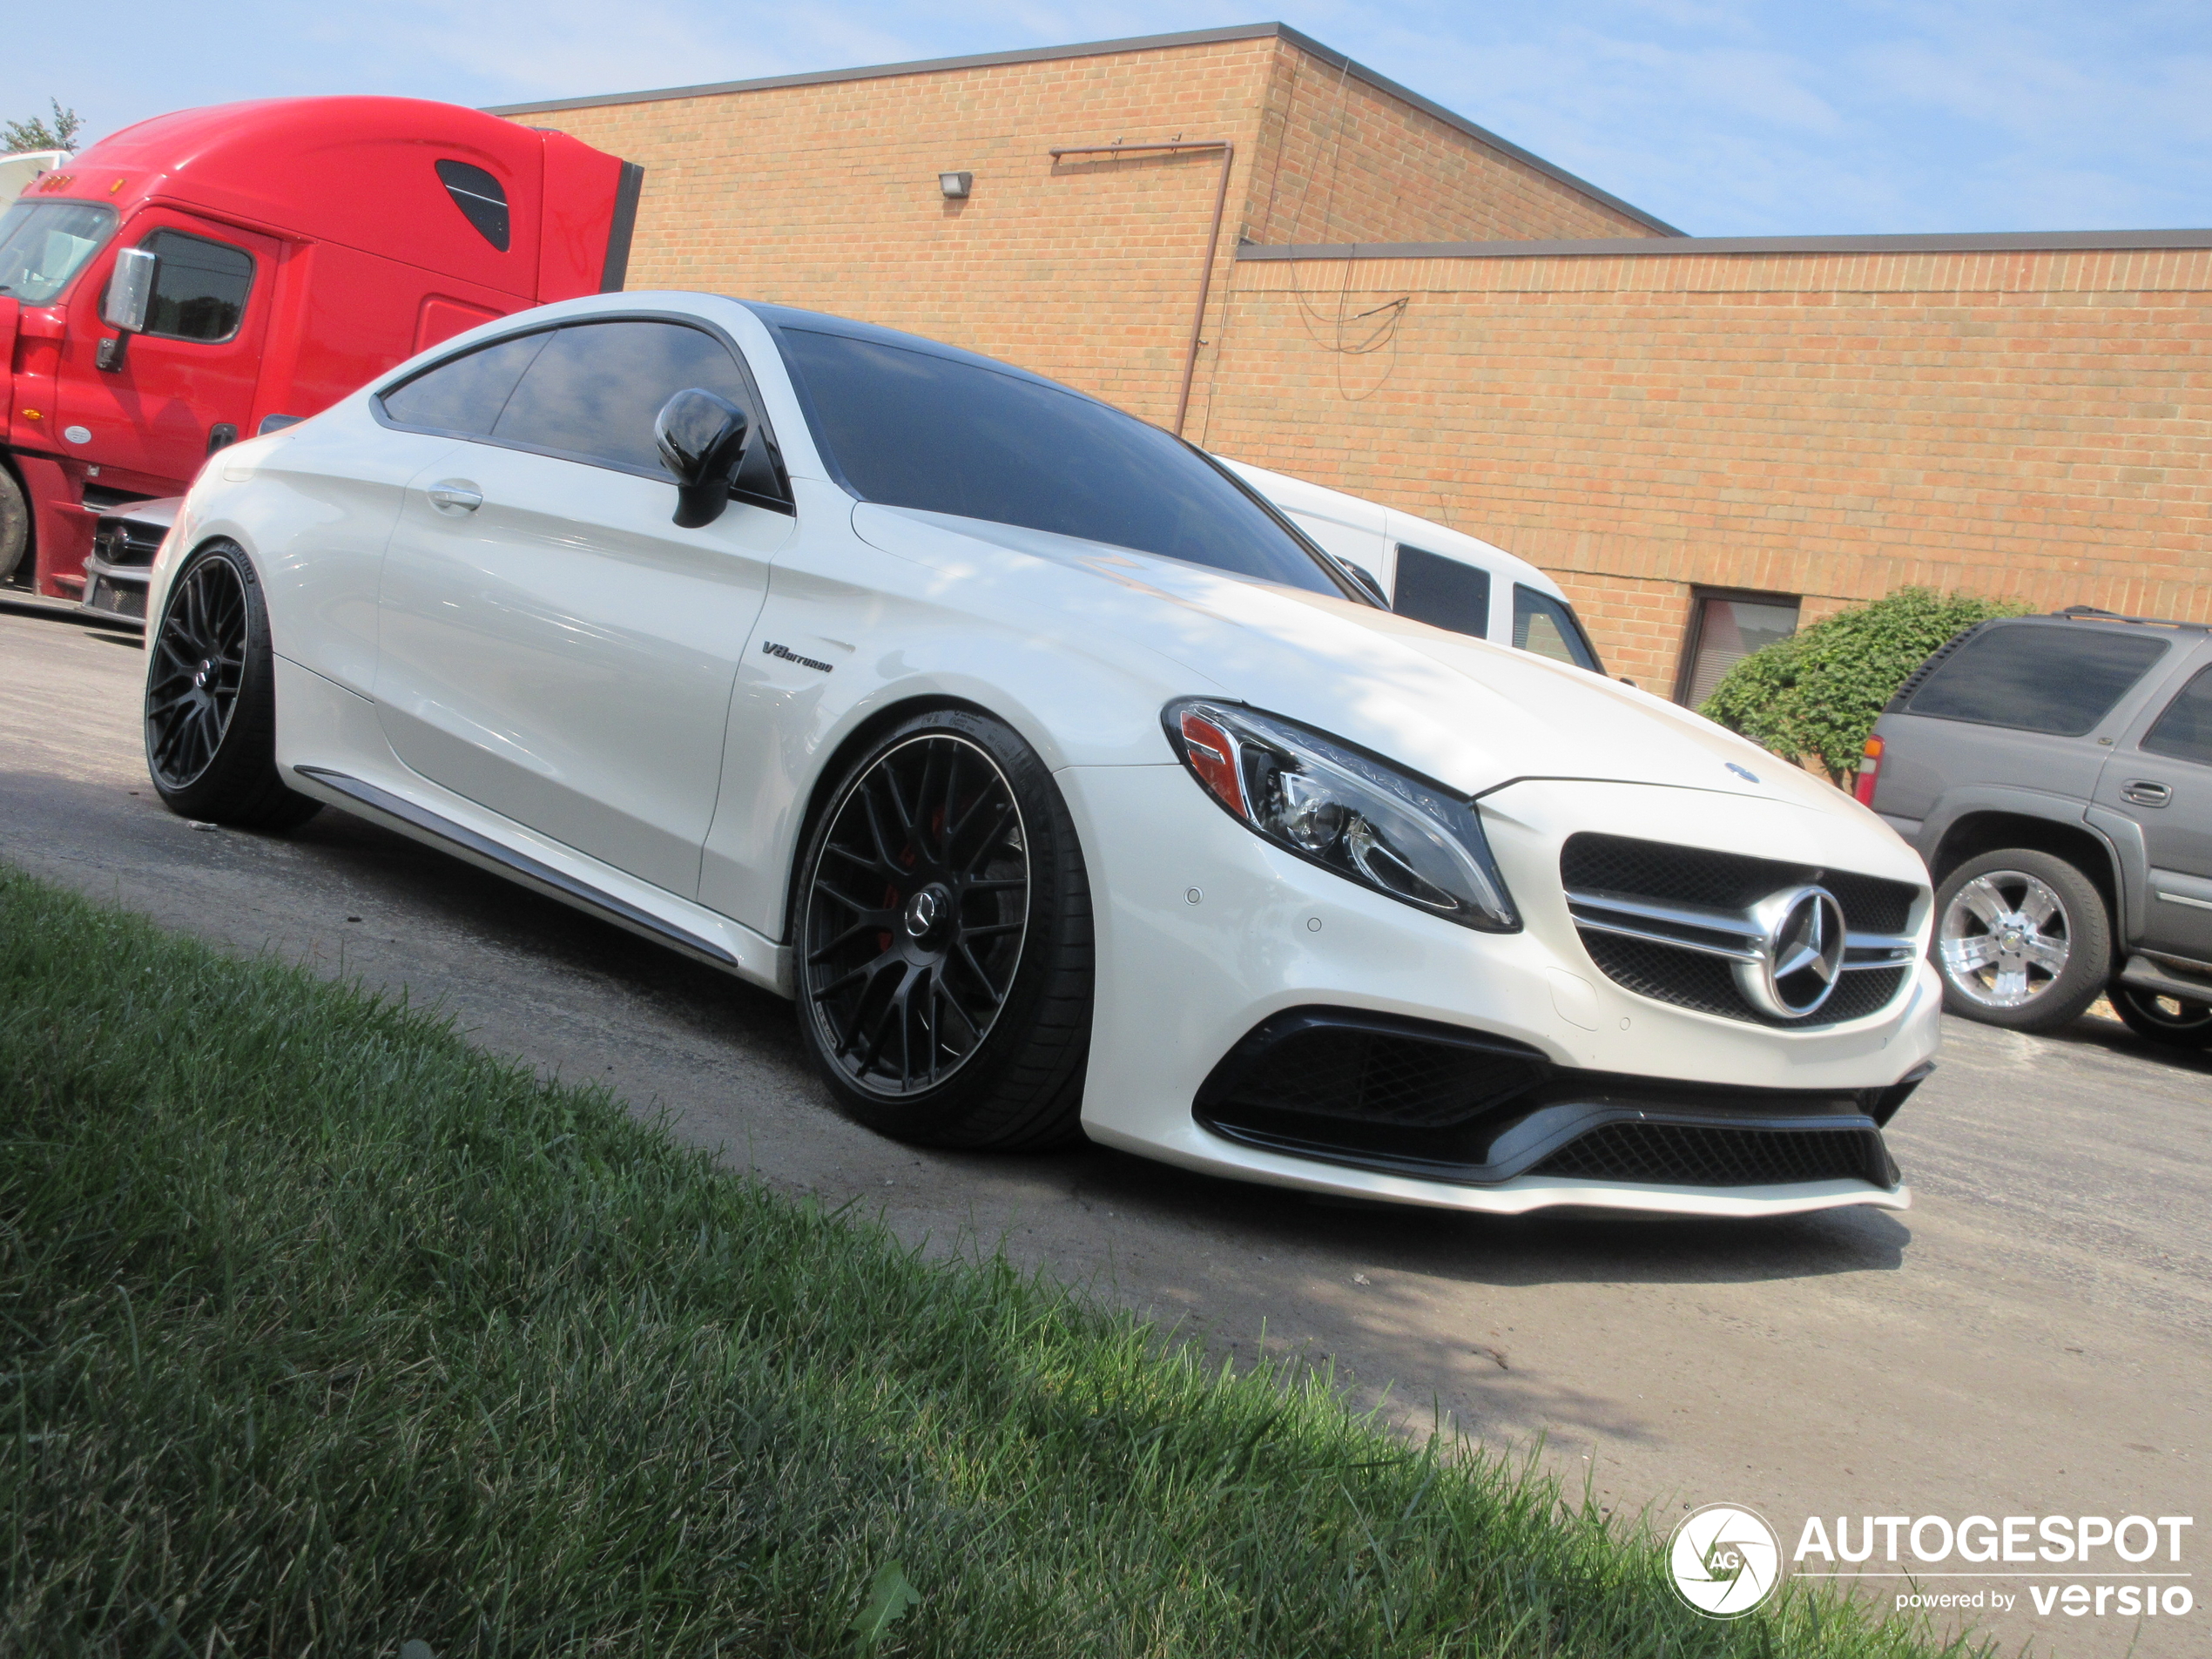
x=1431, y=573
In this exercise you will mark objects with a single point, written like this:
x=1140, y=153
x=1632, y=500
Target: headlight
x=1337, y=808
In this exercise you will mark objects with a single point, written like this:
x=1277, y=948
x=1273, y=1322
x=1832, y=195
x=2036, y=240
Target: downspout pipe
x=1213, y=243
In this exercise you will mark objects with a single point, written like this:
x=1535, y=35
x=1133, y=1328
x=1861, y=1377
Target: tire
x=2022, y=940
x=15, y=526
x=211, y=699
x=2170, y=1021
x=944, y=942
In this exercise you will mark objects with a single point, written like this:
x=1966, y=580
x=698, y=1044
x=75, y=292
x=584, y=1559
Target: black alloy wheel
x=944, y=936
x=2173, y=1022
x=211, y=699
x=193, y=682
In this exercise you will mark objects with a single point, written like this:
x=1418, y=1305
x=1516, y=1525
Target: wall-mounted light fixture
x=955, y=184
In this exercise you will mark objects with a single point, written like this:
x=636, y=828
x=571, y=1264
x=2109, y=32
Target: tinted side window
x=1436, y=590
x=2184, y=730
x=466, y=394
x=479, y=197
x=1547, y=627
x=591, y=395
x=2058, y=679
x=910, y=429
x=199, y=289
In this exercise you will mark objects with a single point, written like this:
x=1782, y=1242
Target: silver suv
x=2056, y=774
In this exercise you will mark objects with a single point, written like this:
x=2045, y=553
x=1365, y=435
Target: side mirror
x=1366, y=579
x=701, y=440
x=130, y=291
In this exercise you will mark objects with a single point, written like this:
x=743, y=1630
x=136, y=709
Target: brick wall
x=1832, y=425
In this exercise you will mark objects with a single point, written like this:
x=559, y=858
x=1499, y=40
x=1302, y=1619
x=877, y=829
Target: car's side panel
x=563, y=655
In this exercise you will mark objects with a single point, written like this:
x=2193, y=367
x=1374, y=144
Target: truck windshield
x=42, y=245
x=910, y=429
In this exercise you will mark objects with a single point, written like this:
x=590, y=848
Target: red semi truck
x=217, y=273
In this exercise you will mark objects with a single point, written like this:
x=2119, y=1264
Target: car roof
x=822, y=322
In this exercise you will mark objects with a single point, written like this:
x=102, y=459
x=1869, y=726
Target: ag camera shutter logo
x=1725, y=1560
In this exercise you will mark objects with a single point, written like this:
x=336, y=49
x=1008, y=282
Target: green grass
x=322, y=1333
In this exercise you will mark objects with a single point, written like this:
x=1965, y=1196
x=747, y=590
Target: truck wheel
x=2021, y=939
x=15, y=526
x=210, y=700
x=2172, y=1021
x=944, y=941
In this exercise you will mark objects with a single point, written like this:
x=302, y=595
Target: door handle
x=2145, y=791
x=454, y=495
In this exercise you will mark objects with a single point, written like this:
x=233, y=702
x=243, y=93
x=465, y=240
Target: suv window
x=2059, y=679
x=1546, y=626
x=1434, y=589
x=199, y=288
x=464, y=395
x=591, y=395
x=2184, y=730
x=910, y=429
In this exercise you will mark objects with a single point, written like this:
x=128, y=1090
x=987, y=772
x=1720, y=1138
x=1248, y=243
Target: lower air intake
x=1683, y=1155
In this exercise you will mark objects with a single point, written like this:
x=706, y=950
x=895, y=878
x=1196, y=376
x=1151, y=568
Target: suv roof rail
x=2090, y=613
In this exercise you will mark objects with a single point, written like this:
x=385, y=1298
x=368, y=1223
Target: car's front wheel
x=944, y=940
x=211, y=699
x=2174, y=1021
x=2022, y=939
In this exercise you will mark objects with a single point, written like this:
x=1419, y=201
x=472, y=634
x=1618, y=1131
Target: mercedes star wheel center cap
x=1799, y=954
x=924, y=911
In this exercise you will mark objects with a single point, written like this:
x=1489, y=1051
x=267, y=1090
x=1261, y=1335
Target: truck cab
x=207, y=275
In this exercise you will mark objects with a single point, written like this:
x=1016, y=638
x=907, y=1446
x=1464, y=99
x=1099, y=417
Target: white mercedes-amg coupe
x=1065, y=787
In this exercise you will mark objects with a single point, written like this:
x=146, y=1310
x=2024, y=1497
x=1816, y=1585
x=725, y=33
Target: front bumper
x=1206, y=934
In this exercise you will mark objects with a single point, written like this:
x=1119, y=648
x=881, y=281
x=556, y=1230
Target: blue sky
x=1724, y=117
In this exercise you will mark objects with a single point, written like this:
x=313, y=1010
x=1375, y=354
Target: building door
x=1724, y=629
x=187, y=382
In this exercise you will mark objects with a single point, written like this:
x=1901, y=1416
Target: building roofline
x=1677, y=246
x=1102, y=48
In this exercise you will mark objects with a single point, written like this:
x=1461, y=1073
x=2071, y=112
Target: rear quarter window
x=2059, y=680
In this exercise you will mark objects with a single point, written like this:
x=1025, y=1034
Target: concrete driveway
x=2031, y=1339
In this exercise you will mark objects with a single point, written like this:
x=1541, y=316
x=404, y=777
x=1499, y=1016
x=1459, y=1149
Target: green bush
x=1819, y=692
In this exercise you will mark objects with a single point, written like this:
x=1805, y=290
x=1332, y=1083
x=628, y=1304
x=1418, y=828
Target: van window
x=1548, y=627
x=465, y=396
x=1434, y=589
x=2184, y=730
x=199, y=288
x=2056, y=678
x=479, y=197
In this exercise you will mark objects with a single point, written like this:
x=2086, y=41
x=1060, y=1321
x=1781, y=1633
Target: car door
x=551, y=645
x=186, y=384
x=2161, y=776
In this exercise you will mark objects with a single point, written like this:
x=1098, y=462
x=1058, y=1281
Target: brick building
x=1706, y=439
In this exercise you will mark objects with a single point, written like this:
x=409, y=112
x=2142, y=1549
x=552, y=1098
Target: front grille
x=127, y=543
x=1688, y=1155
x=1378, y=1078
x=1699, y=879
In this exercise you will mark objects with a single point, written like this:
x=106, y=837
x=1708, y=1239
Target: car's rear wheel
x=944, y=936
x=211, y=699
x=2021, y=939
x=2175, y=1022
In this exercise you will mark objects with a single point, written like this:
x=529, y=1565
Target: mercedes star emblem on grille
x=1800, y=951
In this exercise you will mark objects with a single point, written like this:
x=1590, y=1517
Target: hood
x=1471, y=715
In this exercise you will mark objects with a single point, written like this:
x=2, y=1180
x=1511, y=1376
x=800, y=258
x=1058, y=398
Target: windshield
x=42, y=245
x=910, y=429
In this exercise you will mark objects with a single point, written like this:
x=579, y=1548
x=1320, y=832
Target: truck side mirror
x=130, y=291
x=701, y=440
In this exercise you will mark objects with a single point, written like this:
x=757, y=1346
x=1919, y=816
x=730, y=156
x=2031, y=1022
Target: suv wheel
x=2175, y=1021
x=2022, y=940
x=944, y=936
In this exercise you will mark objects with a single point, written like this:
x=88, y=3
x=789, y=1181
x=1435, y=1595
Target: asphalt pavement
x=2030, y=1339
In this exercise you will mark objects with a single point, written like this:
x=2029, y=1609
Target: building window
x=1724, y=629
